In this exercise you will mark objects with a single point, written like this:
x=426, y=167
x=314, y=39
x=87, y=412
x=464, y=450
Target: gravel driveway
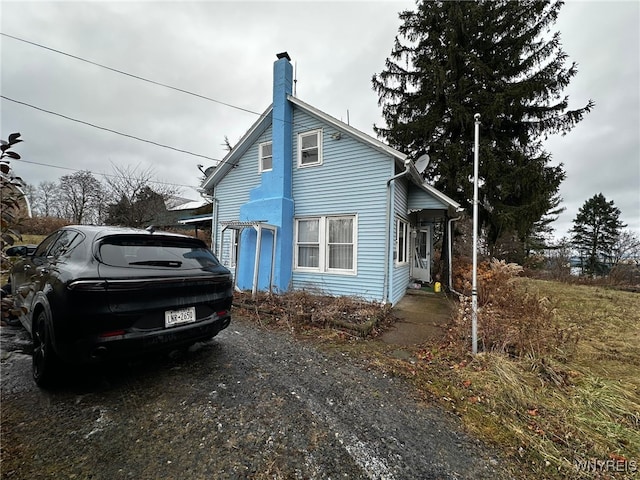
x=251, y=403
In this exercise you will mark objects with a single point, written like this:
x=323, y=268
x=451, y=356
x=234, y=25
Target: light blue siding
x=233, y=192
x=400, y=272
x=421, y=200
x=351, y=180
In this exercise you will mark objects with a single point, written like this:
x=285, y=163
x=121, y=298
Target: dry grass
x=300, y=309
x=549, y=408
x=555, y=400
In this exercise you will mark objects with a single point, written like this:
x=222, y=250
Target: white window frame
x=323, y=242
x=297, y=245
x=401, y=251
x=319, y=137
x=261, y=157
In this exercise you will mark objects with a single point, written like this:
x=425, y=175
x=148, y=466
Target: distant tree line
x=128, y=197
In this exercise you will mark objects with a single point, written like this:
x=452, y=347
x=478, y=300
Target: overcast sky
x=225, y=51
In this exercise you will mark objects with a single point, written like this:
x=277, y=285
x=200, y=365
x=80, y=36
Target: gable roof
x=263, y=122
x=369, y=140
x=232, y=158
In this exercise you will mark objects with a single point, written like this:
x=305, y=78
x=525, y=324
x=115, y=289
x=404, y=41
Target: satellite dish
x=422, y=163
x=209, y=171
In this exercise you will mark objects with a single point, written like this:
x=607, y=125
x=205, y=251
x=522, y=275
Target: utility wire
x=21, y=160
x=130, y=74
x=109, y=130
x=154, y=82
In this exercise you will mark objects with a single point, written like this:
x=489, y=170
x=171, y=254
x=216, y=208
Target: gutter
x=388, y=283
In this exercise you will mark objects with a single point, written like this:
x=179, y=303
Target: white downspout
x=214, y=228
x=387, y=253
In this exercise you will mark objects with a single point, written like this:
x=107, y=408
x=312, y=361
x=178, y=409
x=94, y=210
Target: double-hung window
x=308, y=243
x=266, y=157
x=340, y=243
x=326, y=244
x=310, y=148
x=402, y=241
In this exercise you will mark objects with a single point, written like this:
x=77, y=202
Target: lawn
x=572, y=412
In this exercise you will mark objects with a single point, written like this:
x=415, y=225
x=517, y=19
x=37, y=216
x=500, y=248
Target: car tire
x=45, y=363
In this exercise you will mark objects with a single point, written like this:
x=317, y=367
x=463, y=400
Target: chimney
x=282, y=123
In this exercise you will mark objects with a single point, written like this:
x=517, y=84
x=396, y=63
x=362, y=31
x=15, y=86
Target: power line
x=204, y=97
x=154, y=82
x=21, y=160
x=109, y=130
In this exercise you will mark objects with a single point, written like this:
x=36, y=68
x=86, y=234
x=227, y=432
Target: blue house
x=305, y=201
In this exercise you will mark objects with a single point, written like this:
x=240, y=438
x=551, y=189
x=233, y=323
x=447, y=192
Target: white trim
x=319, y=137
x=406, y=247
x=296, y=266
x=377, y=144
x=323, y=245
x=233, y=157
x=261, y=157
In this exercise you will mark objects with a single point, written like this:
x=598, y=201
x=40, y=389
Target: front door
x=421, y=255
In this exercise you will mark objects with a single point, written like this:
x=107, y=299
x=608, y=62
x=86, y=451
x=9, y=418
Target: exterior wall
x=400, y=272
x=234, y=191
x=351, y=180
x=421, y=200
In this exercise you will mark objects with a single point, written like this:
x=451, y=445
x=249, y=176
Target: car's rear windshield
x=155, y=252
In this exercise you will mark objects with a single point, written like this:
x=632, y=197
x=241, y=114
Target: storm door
x=421, y=254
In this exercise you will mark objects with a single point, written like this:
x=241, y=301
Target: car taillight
x=114, y=333
x=222, y=313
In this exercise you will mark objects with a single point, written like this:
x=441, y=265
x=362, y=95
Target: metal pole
x=474, y=284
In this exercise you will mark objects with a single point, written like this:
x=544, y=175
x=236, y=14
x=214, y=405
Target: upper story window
x=310, y=148
x=266, y=157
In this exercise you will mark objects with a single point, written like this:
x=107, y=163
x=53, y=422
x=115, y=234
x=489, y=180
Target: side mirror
x=17, y=251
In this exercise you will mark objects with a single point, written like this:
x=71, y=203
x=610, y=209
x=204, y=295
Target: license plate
x=178, y=317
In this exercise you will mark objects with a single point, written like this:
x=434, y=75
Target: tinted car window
x=155, y=252
x=44, y=246
x=62, y=243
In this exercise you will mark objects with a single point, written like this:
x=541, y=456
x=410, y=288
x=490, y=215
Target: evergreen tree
x=498, y=58
x=146, y=208
x=595, y=233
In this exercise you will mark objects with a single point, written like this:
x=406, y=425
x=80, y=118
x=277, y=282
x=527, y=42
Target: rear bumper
x=138, y=343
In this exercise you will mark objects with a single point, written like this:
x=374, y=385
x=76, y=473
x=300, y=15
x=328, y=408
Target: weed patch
x=299, y=309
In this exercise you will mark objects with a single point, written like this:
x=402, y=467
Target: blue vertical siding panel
x=351, y=180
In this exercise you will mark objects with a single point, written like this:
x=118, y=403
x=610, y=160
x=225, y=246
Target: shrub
x=42, y=225
x=511, y=319
x=296, y=309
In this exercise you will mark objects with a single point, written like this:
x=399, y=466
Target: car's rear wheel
x=45, y=361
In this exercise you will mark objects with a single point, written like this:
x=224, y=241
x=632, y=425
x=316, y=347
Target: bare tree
x=80, y=196
x=134, y=201
x=627, y=248
x=46, y=202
